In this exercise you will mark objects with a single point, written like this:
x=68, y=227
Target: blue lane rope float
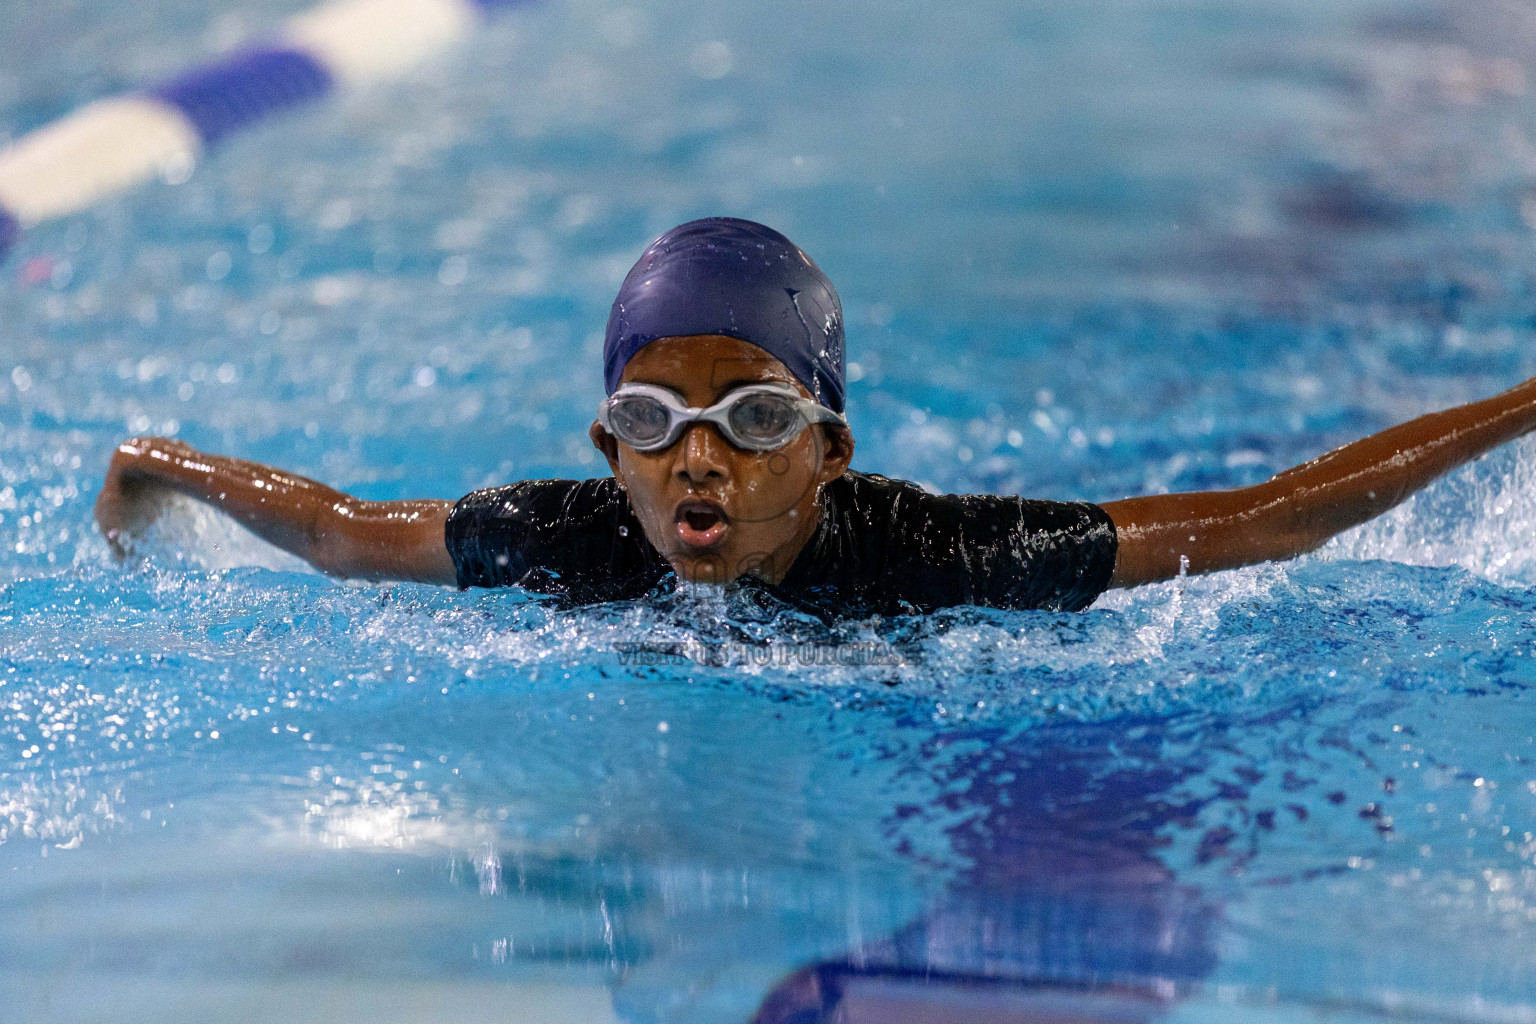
x=114, y=144
x=244, y=88
x=10, y=230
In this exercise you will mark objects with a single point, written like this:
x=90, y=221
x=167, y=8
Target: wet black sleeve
x=577, y=539
x=1006, y=552
x=1028, y=553
x=890, y=545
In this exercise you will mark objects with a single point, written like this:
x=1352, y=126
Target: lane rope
x=115, y=144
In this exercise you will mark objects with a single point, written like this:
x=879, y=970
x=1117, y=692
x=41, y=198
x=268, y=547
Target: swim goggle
x=755, y=417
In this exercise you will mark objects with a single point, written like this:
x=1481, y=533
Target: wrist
x=128, y=464
x=143, y=460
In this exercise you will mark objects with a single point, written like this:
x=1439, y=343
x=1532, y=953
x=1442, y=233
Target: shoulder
x=581, y=533
x=926, y=514
x=871, y=497
x=875, y=491
x=524, y=493
x=532, y=498
x=932, y=550
x=859, y=484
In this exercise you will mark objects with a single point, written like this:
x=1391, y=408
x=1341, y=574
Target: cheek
x=782, y=484
x=644, y=481
x=794, y=467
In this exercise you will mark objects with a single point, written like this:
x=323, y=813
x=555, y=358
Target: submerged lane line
x=112, y=145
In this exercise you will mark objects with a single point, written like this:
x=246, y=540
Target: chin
x=707, y=568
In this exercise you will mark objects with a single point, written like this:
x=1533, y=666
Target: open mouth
x=701, y=523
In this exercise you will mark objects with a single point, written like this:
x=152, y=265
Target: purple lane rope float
x=114, y=144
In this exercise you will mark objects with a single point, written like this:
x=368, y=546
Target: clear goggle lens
x=769, y=420
x=638, y=420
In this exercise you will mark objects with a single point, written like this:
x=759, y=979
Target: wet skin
x=717, y=512
x=713, y=510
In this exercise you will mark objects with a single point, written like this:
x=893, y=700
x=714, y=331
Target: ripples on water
x=1170, y=250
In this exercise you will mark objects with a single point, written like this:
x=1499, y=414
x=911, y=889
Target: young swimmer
x=725, y=434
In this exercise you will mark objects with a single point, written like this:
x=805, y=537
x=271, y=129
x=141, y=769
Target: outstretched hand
x=130, y=500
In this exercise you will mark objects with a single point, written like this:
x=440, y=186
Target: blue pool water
x=1087, y=250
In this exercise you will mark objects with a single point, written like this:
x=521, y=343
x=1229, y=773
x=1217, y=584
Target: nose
x=703, y=455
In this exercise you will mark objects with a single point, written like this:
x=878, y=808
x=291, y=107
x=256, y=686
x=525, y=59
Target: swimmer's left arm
x=1298, y=510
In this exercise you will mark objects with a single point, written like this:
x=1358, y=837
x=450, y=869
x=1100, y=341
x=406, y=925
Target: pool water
x=1086, y=250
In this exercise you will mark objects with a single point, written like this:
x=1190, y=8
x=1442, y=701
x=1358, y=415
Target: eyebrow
x=733, y=383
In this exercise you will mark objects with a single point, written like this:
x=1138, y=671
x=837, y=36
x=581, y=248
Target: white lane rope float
x=113, y=144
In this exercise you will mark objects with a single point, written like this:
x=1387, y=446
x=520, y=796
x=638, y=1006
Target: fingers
x=109, y=523
x=109, y=515
x=126, y=505
x=114, y=539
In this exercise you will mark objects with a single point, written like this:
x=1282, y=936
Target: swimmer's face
x=713, y=510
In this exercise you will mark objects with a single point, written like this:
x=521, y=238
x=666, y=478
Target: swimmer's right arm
x=336, y=533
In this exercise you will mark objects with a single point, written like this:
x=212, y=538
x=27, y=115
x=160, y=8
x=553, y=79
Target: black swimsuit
x=883, y=546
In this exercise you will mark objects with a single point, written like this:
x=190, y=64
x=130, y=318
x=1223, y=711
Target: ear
x=609, y=446
x=837, y=452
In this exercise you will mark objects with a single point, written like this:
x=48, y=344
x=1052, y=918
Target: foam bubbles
x=1481, y=518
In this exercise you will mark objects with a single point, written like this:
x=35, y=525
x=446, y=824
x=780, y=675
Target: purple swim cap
x=726, y=276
